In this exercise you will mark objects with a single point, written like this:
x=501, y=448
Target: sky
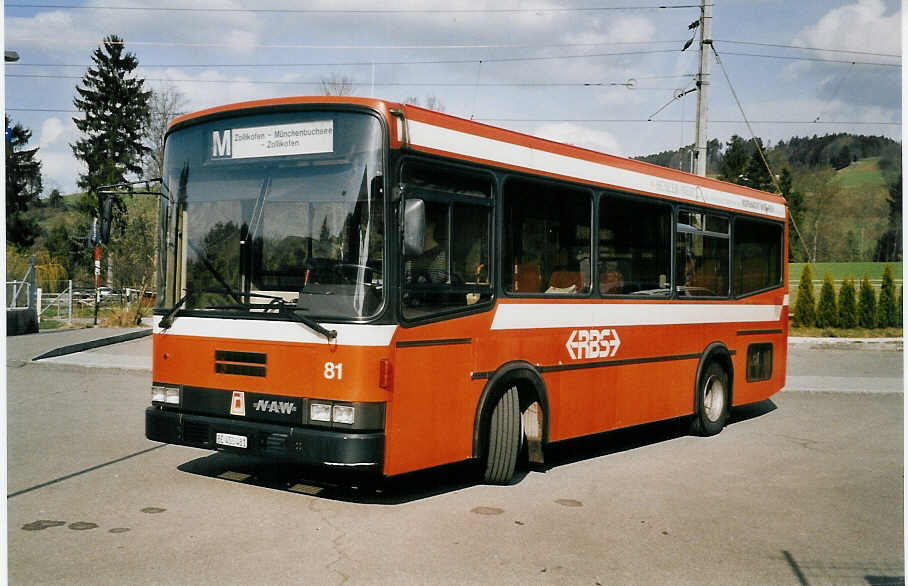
x=601, y=74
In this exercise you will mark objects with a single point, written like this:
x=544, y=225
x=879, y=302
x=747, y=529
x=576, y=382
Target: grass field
x=863, y=174
x=839, y=270
x=794, y=331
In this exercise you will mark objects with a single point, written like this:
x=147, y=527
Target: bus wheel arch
x=715, y=373
x=530, y=390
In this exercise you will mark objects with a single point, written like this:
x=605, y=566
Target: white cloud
x=580, y=136
x=51, y=130
x=60, y=169
x=862, y=26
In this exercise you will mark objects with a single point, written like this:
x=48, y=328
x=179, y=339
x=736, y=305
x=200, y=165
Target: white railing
x=18, y=294
x=62, y=302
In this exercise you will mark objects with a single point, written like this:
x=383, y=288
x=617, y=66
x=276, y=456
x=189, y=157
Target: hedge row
x=851, y=308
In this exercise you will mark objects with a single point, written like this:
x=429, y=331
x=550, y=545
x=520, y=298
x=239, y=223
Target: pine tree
x=827, y=312
x=756, y=174
x=734, y=161
x=805, y=310
x=866, y=304
x=887, y=313
x=23, y=184
x=900, y=308
x=848, y=306
x=796, y=208
x=116, y=114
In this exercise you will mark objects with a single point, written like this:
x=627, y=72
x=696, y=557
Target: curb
x=82, y=346
x=869, y=341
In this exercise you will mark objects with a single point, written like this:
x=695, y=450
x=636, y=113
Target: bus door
x=446, y=296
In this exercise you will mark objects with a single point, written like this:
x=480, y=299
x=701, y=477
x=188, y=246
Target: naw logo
x=282, y=407
x=593, y=343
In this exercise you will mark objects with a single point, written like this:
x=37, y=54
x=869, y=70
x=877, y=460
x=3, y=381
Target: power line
x=432, y=61
x=835, y=93
x=357, y=10
x=600, y=120
x=456, y=46
x=816, y=59
x=377, y=84
x=808, y=48
x=711, y=121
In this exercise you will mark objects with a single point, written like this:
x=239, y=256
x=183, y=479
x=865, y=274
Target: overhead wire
x=802, y=48
x=757, y=143
x=590, y=120
x=355, y=82
x=539, y=10
x=834, y=93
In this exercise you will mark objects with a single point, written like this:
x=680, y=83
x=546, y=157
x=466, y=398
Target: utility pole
x=706, y=41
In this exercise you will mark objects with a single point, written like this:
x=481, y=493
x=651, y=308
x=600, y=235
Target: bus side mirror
x=106, y=219
x=414, y=225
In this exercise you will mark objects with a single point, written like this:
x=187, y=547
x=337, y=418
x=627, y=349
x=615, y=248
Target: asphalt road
x=806, y=488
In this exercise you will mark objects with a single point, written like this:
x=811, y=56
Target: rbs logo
x=593, y=343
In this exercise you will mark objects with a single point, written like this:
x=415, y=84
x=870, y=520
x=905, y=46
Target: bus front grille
x=195, y=433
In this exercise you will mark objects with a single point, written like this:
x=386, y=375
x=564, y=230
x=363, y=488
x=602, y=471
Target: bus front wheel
x=504, y=439
x=712, y=401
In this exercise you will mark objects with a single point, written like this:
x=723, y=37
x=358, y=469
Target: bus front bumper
x=298, y=444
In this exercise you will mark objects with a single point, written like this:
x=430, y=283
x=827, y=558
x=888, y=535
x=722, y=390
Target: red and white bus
x=368, y=285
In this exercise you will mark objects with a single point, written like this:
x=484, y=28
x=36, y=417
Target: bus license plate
x=229, y=439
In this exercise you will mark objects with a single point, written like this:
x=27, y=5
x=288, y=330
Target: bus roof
x=437, y=133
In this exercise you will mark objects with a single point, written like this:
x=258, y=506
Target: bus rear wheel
x=712, y=401
x=504, y=439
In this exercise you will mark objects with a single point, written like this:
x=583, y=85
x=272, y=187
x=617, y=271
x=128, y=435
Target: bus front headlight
x=343, y=414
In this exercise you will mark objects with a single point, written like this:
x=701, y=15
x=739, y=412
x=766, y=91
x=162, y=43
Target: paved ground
x=806, y=488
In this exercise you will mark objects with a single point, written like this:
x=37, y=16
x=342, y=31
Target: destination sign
x=301, y=138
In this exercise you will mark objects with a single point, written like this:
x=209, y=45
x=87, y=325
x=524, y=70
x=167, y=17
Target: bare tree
x=337, y=85
x=166, y=104
x=823, y=194
x=429, y=102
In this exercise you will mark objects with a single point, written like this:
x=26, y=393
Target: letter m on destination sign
x=220, y=144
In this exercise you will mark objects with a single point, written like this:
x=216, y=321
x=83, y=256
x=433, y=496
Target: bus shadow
x=363, y=489
x=632, y=438
x=333, y=485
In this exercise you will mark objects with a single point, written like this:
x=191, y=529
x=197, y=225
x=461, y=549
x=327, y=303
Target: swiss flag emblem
x=238, y=404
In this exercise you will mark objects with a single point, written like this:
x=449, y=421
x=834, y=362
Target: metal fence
x=18, y=294
x=57, y=305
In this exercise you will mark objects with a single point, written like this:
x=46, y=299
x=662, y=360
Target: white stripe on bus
x=276, y=331
x=523, y=316
x=453, y=141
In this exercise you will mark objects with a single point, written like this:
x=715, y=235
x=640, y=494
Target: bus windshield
x=280, y=213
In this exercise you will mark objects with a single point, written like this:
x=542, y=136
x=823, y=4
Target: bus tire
x=712, y=401
x=504, y=439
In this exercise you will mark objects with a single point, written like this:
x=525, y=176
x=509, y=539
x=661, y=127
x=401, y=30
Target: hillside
x=838, y=188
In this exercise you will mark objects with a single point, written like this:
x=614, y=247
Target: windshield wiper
x=283, y=308
x=307, y=321
x=214, y=272
x=167, y=320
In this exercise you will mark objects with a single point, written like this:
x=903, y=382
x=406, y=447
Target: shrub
x=848, y=304
x=867, y=304
x=901, y=308
x=805, y=310
x=827, y=311
x=887, y=313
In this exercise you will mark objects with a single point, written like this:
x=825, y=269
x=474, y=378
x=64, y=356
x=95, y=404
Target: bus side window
x=546, y=248
x=758, y=255
x=702, y=255
x=634, y=246
x=452, y=273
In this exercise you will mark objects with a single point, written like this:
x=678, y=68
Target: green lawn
x=839, y=270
